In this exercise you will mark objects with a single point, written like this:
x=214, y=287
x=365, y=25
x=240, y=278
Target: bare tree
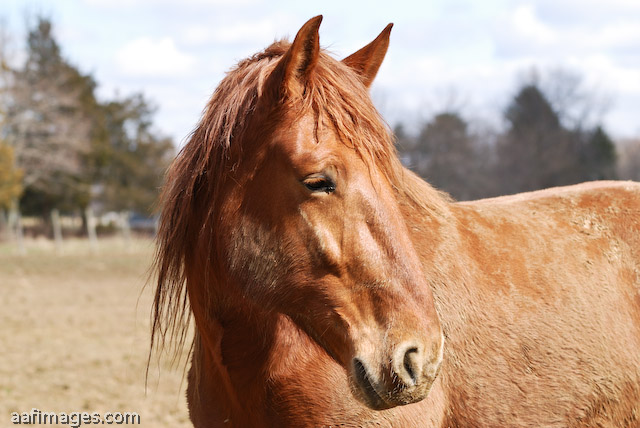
x=45, y=121
x=10, y=175
x=578, y=105
x=629, y=160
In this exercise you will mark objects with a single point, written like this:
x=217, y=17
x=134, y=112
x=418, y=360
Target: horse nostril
x=408, y=364
x=411, y=364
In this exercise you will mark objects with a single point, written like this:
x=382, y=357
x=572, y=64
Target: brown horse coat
x=538, y=296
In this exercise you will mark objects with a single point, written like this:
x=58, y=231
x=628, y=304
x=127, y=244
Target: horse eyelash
x=320, y=184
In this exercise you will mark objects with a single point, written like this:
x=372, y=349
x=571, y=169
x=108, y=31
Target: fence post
x=15, y=226
x=57, y=229
x=125, y=225
x=4, y=225
x=91, y=229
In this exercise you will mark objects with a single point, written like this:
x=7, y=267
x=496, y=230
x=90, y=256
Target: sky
x=444, y=54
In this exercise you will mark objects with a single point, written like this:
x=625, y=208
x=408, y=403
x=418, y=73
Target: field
x=74, y=334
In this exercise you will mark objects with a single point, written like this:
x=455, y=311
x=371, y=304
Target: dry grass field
x=74, y=334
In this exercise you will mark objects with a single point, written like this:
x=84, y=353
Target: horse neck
x=246, y=340
x=429, y=222
x=262, y=368
x=230, y=366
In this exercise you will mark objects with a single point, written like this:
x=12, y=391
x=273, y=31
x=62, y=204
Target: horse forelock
x=333, y=92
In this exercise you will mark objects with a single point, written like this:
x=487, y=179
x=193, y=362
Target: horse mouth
x=369, y=393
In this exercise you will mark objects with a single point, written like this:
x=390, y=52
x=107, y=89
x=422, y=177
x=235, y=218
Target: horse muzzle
x=404, y=378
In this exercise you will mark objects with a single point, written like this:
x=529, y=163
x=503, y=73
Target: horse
x=331, y=287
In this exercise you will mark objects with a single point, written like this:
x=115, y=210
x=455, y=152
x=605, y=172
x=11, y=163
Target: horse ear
x=366, y=62
x=298, y=62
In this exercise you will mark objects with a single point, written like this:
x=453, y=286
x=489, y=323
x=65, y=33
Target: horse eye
x=319, y=184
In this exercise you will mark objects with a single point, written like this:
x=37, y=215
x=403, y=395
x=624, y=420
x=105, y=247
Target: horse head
x=313, y=226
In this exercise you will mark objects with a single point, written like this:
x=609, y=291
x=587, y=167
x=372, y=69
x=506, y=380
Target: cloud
x=155, y=3
x=526, y=24
x=623, y=37
x=243, y=30
x=529, y=31
x=262, y=31
x=480, y=49
x=150, y=57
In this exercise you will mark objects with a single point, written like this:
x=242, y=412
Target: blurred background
x=97, y=96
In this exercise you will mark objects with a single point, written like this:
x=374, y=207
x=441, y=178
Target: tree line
x=547, y=141
x=62, y=148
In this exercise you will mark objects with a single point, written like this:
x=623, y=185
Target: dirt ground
x=74, y=334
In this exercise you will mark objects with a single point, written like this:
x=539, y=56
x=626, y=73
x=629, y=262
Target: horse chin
x=368, y=391
x=364, y=390
x=369, y=397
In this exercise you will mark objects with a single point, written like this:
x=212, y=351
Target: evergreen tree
x=537, y=151
x=598, y=156
x=135, y=157
x=447, y=155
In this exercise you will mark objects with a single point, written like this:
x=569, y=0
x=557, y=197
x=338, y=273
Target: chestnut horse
x=332, y=287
